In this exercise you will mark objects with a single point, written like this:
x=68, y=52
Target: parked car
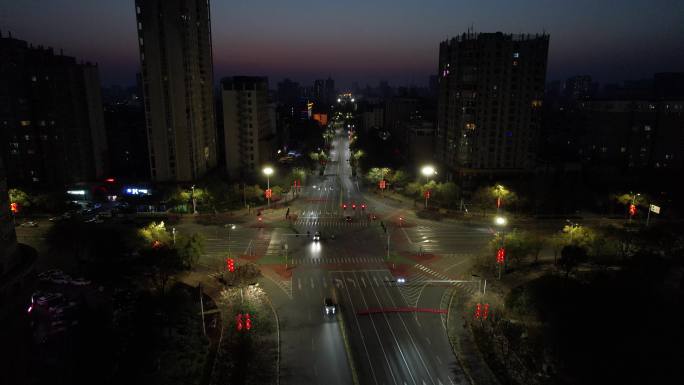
x=29, y=224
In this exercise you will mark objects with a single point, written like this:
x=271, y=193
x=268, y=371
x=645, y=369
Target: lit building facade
x=51, y=117
x=248, y=124
x=489, y=102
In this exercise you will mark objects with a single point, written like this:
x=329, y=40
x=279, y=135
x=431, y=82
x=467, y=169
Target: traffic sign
x=269, y=193
x=383, y=184
x=655, y=209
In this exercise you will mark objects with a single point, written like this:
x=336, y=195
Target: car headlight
x=327, y=310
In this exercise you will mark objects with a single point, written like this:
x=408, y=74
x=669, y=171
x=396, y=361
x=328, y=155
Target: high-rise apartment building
x=174, y=37
x=51, y=117
x=490, y=96
x=248, y=124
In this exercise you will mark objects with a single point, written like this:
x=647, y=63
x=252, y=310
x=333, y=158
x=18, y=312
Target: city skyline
x=367, y=43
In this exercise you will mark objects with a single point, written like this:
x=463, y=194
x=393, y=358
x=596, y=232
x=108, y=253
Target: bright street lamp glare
x=232, y=227
x=501, y=221
x=339, y=100
x=268, y=170
x=428, y=170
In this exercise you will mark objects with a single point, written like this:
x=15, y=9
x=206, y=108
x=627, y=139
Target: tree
x=399, y=178
x=414, y=189
x=571, y=257
x=20, y=197
x=447, y=193
x=155, y=234
x=376, y=174
x=354, y=160
x=244, y=274
x=164, y=262
x=486, y=197
x=189, y=249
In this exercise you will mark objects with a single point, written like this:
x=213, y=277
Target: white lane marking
x=389, y=326
x=428, y=340
x=452, y=381
x=438, y=360
x=376, y=281
x=413, y=342
x=325, y=282
x=312, y=284
x=299, y=283
x=363, y=339
x=363, y=281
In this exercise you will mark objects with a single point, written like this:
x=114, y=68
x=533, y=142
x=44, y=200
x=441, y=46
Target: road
x=349, y=265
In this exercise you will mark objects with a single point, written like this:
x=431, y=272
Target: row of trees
x=576, y=244
x=219, y=195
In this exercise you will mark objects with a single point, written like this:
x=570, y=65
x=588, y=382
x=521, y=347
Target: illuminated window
x=25, y=123
x=536, y=103
x=470, y=126
x=516, y=55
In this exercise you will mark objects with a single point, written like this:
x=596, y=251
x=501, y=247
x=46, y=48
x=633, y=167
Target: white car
x=317, y=236
x=29, y=224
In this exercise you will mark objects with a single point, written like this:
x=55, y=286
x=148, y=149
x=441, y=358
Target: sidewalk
x=463, y=343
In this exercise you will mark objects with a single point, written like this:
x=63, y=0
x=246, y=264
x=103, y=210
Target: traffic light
x=383, y=184
x=485, y=312
x=478, y=310
x=14, y=206
x=248, y=322
x=269, y=193
x=632, y=210
x=231, y=264
x=238, y=322
x=500, y=255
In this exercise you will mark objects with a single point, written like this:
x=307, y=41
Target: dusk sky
x=368, y=40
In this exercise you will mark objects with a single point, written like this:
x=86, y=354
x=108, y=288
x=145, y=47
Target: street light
x=268, y=171
x=500, y=221
x=428, y=171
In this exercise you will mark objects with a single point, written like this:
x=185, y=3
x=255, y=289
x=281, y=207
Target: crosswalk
x=332, y=222
x=335, y=260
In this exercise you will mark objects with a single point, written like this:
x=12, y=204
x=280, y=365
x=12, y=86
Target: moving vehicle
x=329, y=306
x=317, y=236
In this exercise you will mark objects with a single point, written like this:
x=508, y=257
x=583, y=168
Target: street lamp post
x=194, y=202
x=501, y=223
x=428, y=171
x=230, y=227
x=268, y=171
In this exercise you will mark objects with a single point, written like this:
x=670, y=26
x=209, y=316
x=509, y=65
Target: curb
x=278, y=338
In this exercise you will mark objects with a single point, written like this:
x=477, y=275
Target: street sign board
x=655, y=209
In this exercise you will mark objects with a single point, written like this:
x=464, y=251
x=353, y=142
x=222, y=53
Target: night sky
x=369, y=40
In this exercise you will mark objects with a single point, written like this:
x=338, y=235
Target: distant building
x=51, y=120
x=288, y=92
x=580, y=87
x=491, y=87
x=622, y=137
x=397, y=110
x=417, y=139
x=127, y=141
x=373, y=117
x=248, y=124
x=174, y=37
x=330, y=93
